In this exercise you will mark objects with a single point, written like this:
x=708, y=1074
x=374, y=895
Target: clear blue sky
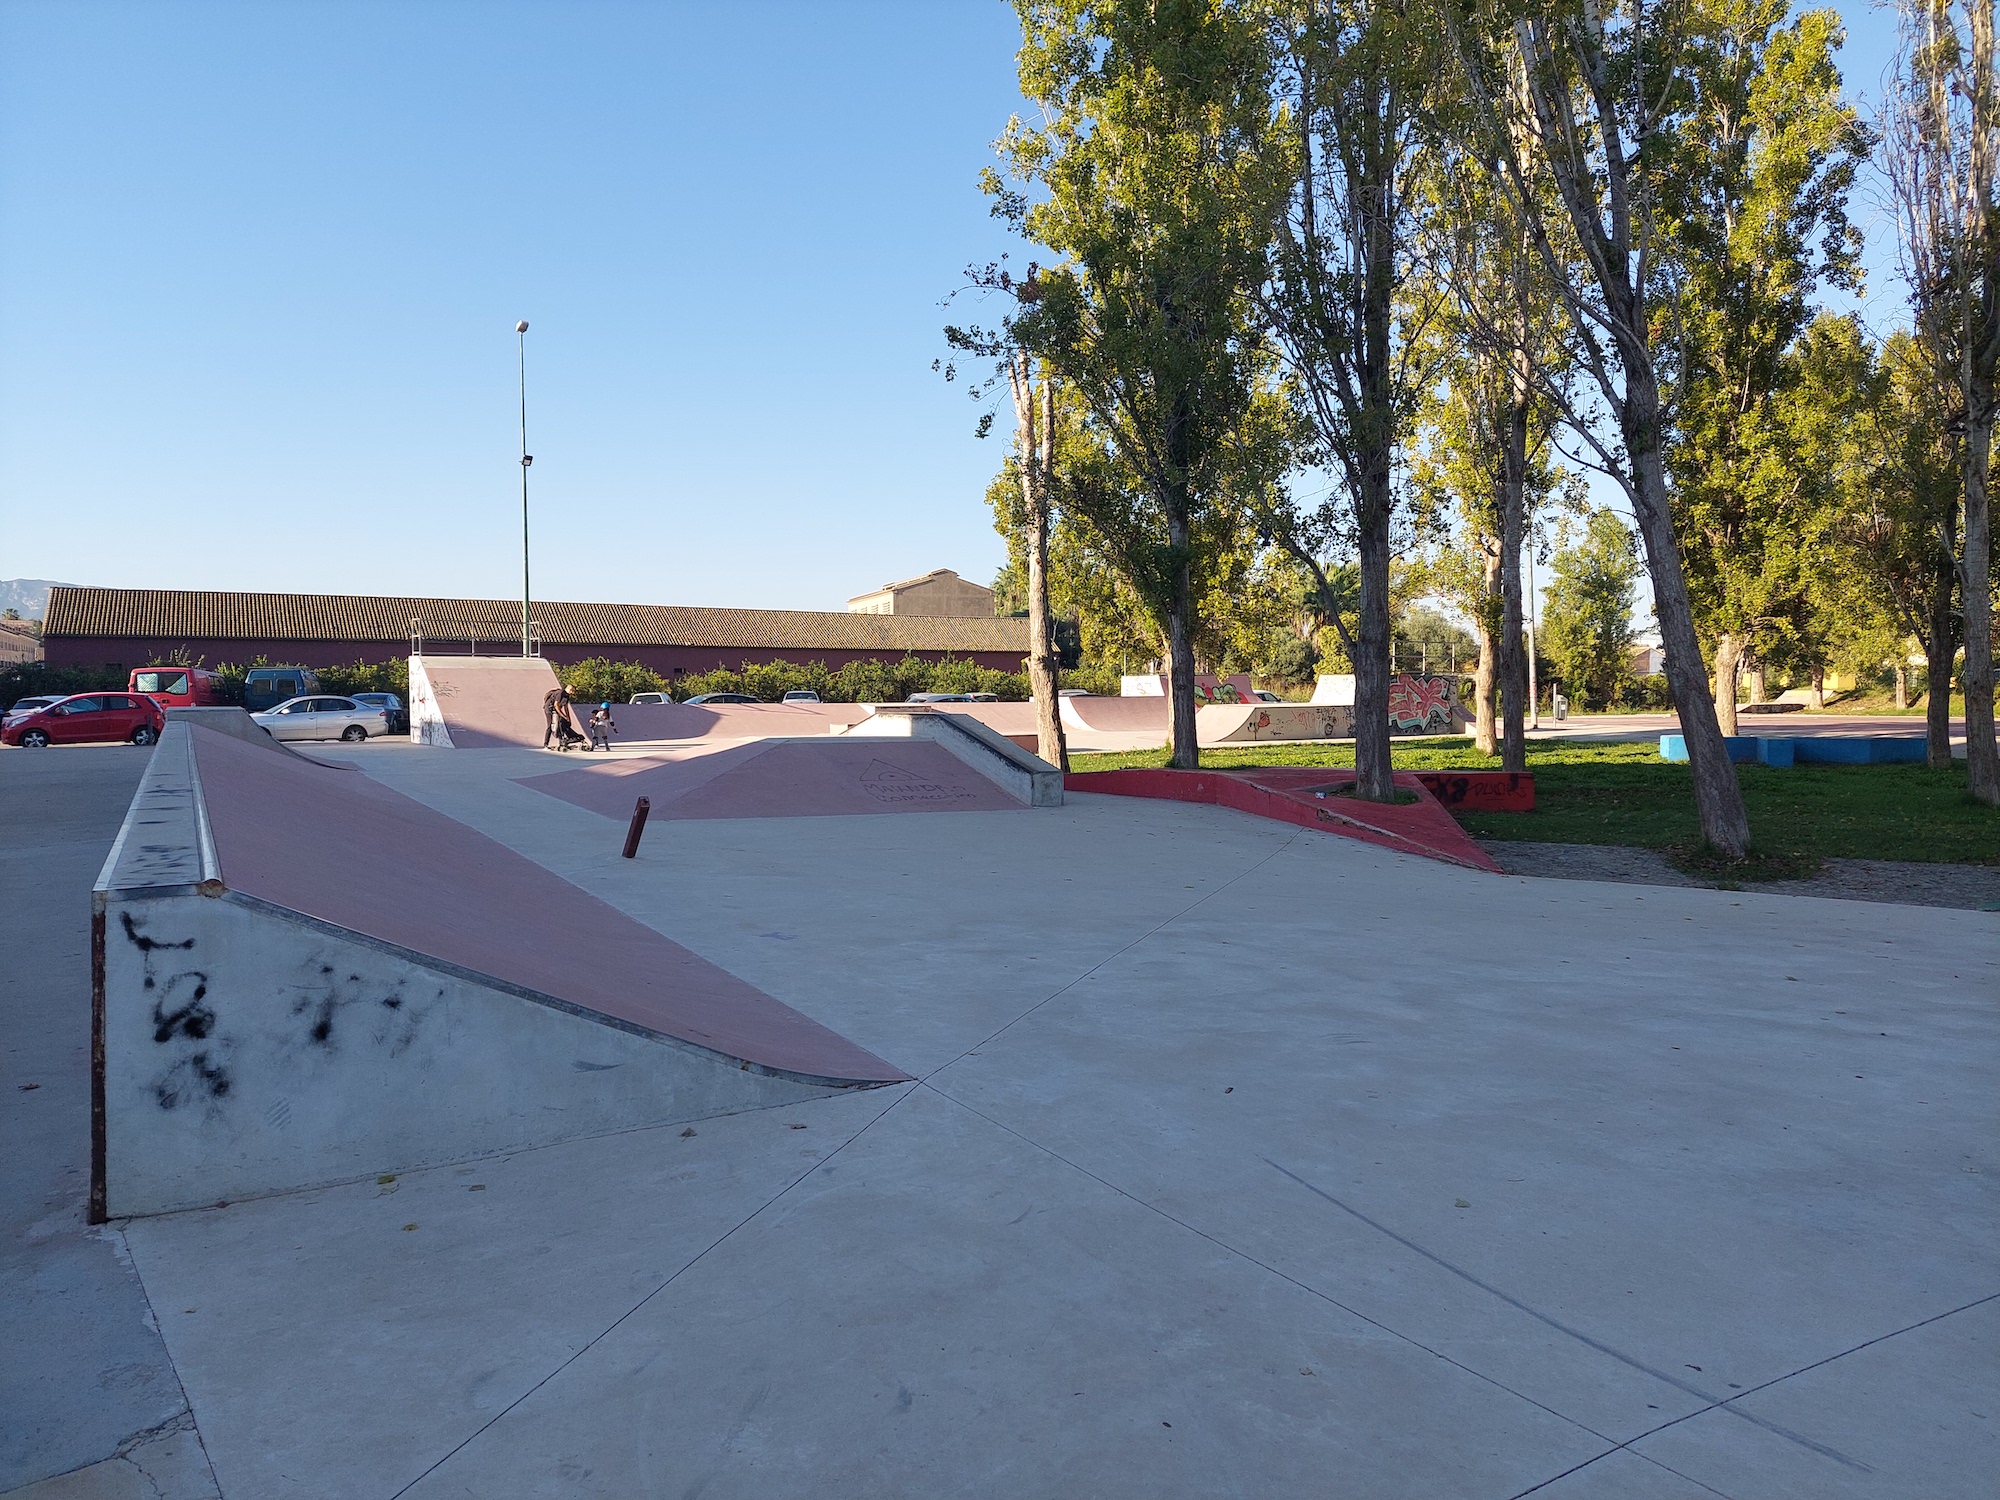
x=260, y=265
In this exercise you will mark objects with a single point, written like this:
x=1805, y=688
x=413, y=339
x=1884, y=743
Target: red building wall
x=668, y=661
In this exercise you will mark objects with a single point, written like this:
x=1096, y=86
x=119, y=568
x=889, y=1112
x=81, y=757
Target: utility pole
x=1534, y=692
x=527, y=458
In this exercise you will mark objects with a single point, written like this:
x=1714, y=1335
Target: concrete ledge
x=1024, y=774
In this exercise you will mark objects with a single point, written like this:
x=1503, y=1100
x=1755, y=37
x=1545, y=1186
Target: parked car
x=801, y=695
x=1074, y=693
x=399, y=716
x=87, y=718
x=22, y=707
x=702, y=700
x=321, y=718
x=265, y=688
x=1265, y=695
x=649, y=698
x=177, y=687
x=939, y=698
x=982, y=697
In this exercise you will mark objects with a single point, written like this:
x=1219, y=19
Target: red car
x=89, y=718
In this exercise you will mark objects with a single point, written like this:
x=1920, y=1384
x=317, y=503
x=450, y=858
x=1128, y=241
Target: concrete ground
x=1244, y=1160
x=86, y=1387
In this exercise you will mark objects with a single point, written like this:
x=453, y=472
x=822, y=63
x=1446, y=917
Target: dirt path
x=1899, y=882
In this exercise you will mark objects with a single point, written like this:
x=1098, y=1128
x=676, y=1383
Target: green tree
x=1761, y=161
x=1353, y=74
x=1147, y=177
x=1907, y=531
x=1587, y=611
x=1942, y=127
x=1594, y=89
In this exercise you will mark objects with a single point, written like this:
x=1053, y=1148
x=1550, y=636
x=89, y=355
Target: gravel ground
x=1899, y=882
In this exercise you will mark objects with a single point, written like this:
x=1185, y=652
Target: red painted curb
x=1286, y=794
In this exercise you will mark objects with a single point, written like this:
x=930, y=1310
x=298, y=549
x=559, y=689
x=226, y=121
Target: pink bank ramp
x=360, y=856
x=301, y=977
x=647, y=722
x=480, y=702
x=817, y=778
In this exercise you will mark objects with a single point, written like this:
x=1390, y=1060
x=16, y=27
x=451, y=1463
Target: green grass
x=1623, y=793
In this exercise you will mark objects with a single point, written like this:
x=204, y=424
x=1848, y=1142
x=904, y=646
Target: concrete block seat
x=1801, y=749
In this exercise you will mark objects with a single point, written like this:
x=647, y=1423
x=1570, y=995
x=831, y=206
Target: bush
x=866, y=681
x=34, y=679
x=392, y=676
x=1289, y=659
x=1649, y=694
x=598, y=679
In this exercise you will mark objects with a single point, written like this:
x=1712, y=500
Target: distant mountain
x=29, y=596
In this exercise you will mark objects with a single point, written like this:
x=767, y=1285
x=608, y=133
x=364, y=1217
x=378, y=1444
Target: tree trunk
x=1940, y=650
x=1513, y=529
x=1754, y=673
x=1728, y=665
x=1374, y=772
x=1975, y=592
x=1180, y=649
x=1902, y=686
x=1819, y=686
x=1718, y=799
x=1485, y=673
x=1035, y=416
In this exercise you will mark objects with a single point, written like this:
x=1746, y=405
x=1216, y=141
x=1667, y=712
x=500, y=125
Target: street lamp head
x=522, y=326
x=526, y=459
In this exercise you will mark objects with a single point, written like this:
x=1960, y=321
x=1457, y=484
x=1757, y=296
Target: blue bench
x=1833, y=750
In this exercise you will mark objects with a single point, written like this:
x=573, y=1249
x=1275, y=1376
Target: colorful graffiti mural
x=1424, y=705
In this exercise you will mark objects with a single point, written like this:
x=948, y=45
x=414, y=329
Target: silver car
x=25, y=706
x=323, y=718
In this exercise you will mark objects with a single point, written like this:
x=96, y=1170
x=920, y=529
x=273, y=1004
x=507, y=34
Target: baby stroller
x=566, y=736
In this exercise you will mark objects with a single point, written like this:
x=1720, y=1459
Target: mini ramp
x=649, y=722
x=1145, y=723
x=302, y=977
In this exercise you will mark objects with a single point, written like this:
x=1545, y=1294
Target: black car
x=399, y=716
x=703, y=700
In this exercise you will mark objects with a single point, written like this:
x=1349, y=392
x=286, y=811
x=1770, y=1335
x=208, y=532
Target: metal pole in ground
x=639, y=811
x=527, y=458
x=1534, y=692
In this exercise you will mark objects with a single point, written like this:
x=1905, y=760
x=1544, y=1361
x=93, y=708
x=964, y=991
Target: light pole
x=1534, y=692
x=527, y=458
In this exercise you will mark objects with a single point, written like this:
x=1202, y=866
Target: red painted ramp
x=1291, y=794
x=728, y=721
x=332, y=844
x=830, y=777
x=485, y=703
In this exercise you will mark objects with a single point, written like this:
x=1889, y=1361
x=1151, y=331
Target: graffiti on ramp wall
x=1423, y=705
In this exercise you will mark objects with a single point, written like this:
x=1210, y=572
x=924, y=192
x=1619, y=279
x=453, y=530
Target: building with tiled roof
x=132, y=627
x=939, y=592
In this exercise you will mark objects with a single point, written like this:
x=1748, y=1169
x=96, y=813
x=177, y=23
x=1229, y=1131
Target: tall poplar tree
x=1144, y=173
x=1761, y=159
x=1591, y=86
x=1942, y=128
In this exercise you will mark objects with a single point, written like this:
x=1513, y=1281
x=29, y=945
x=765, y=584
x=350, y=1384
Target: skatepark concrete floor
x=1243, y=1160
